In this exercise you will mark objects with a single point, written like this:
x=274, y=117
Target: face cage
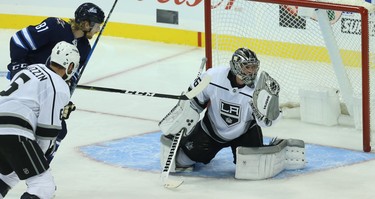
x=248, y=79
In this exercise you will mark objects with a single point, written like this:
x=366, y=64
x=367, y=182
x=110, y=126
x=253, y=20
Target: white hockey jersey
x=32, y=104
x=228, y=113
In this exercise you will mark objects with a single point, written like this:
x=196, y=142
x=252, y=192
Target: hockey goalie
x=230, y=112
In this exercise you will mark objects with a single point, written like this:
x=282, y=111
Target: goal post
x=305, y=45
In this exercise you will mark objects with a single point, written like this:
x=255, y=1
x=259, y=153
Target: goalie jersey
x=228, y=113
x=32, y=104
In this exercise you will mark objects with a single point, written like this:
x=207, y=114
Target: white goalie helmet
x=243, y=61
x=65, y=54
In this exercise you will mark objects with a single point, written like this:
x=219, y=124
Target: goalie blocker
x=258, y=163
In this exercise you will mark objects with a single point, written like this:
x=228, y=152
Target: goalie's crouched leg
x=181, y=160
x=257, y=163
x=182, y=116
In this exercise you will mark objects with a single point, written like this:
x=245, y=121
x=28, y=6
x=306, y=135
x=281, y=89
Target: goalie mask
x=245, y=65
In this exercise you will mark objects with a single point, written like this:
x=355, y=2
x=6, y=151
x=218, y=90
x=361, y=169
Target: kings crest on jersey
x=33, y=44
x=227, y=104
x=231, y=113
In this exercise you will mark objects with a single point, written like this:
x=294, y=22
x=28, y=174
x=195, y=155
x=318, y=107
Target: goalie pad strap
x=257, y=163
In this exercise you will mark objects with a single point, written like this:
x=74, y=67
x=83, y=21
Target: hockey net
x=305, y=45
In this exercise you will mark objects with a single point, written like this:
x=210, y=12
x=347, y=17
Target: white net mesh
x=290, y=45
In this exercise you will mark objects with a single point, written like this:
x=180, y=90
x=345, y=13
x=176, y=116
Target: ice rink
x=157, y=67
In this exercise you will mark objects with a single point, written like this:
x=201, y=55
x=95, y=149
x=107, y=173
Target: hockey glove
x=265, y=103
x=70, y=107
x=14, y=68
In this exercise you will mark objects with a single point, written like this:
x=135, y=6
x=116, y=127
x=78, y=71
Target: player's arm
x=200, y=101
x=186, y=113
x=29, y=39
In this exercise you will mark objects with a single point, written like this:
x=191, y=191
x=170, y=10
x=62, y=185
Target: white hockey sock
x=42, y=185
x=11, y=179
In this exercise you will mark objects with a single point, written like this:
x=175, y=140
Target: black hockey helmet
x=89, y=12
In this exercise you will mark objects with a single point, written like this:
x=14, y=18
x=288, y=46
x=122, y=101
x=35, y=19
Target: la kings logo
x=230, y=113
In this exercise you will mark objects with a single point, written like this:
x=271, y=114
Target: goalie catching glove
x=265, y=103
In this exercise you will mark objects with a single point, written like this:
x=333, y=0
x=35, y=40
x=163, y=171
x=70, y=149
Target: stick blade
x=172, y=184
x=168, y=182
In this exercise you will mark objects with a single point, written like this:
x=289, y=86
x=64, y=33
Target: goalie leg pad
x=183, y=162
x=183, y=115
x=257, y=163
x=166, y=143
x=295, y=154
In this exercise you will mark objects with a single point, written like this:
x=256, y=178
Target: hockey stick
x=167, y=182
x=189, y=95
x=73, y=87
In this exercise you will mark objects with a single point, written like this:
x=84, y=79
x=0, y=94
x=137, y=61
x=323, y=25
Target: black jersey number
x=20, y=80
x=197, y=81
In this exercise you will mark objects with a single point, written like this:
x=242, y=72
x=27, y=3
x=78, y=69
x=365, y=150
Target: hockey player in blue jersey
x=33, y=44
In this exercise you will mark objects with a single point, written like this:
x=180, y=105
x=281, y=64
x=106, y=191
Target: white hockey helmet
x=65, y=54
x=242, y=59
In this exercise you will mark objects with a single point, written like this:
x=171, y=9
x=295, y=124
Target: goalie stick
x=167, y=182
x=73, y=87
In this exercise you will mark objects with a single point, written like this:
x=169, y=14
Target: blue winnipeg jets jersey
x=33, y=44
